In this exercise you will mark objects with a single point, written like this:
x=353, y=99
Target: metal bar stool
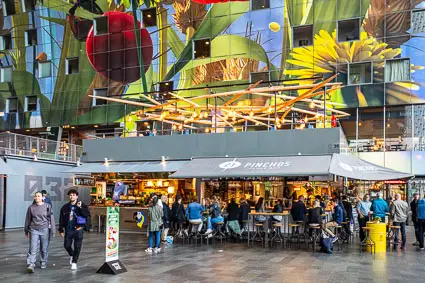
x=367, y=242
x=257, y=228
x=194, y=231
x=391, y=236
x=316, y=234
x=277, y=237
x=218, y=232
x=295, y=234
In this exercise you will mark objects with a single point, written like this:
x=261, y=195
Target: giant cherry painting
x=114, y=54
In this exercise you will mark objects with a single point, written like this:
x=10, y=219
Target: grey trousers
x=39, y=241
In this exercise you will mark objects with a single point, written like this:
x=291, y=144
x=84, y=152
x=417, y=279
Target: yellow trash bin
x=378, y=234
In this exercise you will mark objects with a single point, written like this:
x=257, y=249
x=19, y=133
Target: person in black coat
x=165, y=218
x=233, y=216
x=178, y=213
x=244, y=210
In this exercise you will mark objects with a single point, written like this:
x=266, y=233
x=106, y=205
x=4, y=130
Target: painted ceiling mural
x=243, y=40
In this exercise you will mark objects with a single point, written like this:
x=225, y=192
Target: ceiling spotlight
x=311, y=105
x=251, y=113
x=234, y=118
x=194, y=115
x=180, y=127
x=174, y=127
x=207, y=130
x=206, y=115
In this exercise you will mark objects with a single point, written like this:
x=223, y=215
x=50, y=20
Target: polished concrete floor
x=231, y=262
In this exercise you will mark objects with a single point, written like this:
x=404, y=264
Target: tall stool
x=367, y=242
x=391, y=236
x=218, y=232
x=194, y=231
x=257, y=232
x=245, y=227
x=277, y=237
x=295, y=234
x=316, y=230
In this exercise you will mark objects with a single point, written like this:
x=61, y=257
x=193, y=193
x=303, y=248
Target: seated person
x=194, y=213
x=337, y=218
x=232, y=218
x=278, y=208
x=259, y=207
x=244, y=210
x=215, y=215
x=321, y=202
x=298, y=211
x=315, y=215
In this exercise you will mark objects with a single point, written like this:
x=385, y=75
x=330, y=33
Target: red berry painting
x=113, y=54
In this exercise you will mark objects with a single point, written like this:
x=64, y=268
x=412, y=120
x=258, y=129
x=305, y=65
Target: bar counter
x=127, y=218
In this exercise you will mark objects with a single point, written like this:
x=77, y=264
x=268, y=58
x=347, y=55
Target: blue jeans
x=212, y=221
x=157, y=238
x=39, y=241
x=403, y=233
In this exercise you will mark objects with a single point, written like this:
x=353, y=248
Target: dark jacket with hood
x=64, y=216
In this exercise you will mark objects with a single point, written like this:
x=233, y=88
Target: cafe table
x=267, y=215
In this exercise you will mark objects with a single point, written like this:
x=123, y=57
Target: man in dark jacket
x=337, y=218
x=413, y=208
x=348, y=208
x=71, y=226
x=298, y=212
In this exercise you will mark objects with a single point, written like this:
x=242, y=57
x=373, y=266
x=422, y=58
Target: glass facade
x=62, y=54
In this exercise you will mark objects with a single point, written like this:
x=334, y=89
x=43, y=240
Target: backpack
x=326, y=245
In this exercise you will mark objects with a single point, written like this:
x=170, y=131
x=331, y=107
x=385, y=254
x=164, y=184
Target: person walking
x=399, y=213
x=379, y=207
x=413, y=207
x=72, y=219
x=363, y=209
x=39, y=225
x=420, y=213
x=155, y=222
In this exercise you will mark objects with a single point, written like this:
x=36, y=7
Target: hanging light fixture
x=311, y=105
x=206, y=115
x=251, y=113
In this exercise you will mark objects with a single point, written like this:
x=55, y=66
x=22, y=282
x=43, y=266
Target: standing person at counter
x=399, y=213
x=298, y=212
x=165, y=219
x=178, y=214
x=232, y=218
x=379, y=207
x=155, y=222
x=215, y=214
x=72, y=219
x=194, y=213
x=244, y=211
x=413, y=208
x=363, y=209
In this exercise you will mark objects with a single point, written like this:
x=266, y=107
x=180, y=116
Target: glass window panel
x=398, y=128
x=397, y=70
x=360, y=73
x=371, y=129
x=349, y=30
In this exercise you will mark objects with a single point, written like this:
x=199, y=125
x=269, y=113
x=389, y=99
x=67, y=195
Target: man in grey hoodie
x=39, y=225
x=399, y=213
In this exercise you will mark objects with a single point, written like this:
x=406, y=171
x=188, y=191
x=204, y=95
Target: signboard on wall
x=84, y=181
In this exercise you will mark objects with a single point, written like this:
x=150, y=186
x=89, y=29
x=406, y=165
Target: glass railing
x=21, y=145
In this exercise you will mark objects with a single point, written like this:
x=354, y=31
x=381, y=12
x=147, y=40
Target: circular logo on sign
x=229, y=164
x=346, y=167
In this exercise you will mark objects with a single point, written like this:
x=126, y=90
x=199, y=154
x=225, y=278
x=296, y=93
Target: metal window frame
x=301, y=26
x=359, y=63
x=346, y=20
x=397, y=59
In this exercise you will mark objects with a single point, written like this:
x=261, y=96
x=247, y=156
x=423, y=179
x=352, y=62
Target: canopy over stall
x=128, y=167
x=287, y=166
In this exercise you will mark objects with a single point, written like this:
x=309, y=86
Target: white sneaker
x=185, y=232
x=157, y=250
x=209, y=231
x=149, y=250
x=70, y=260
x=74, y=266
